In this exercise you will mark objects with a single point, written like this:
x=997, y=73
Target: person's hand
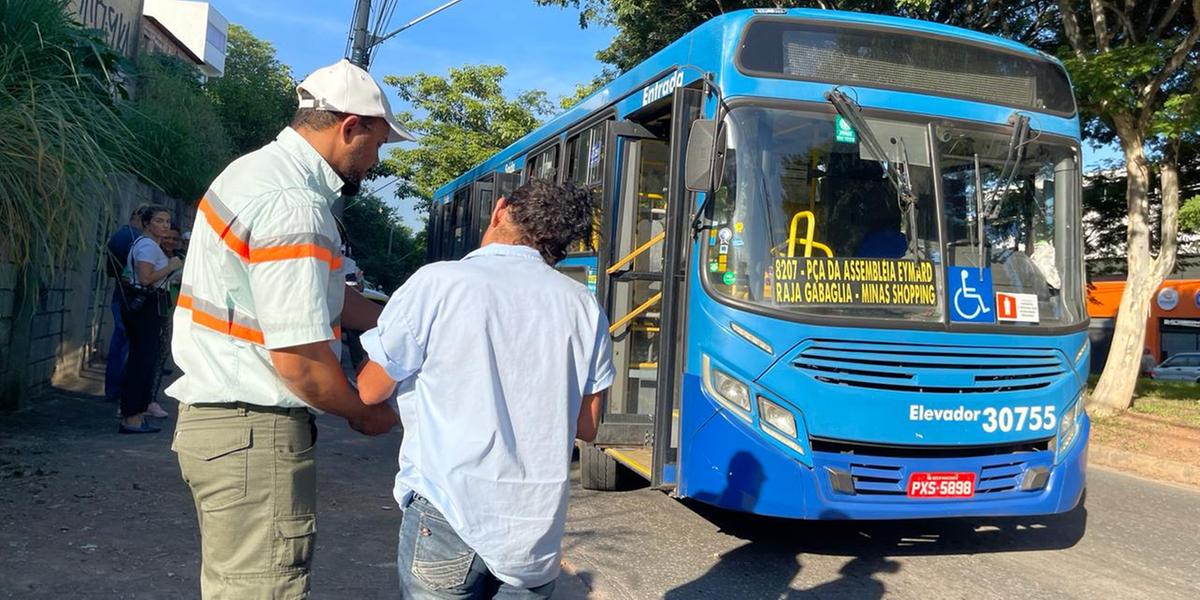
x=375, y=420
x=175, y=263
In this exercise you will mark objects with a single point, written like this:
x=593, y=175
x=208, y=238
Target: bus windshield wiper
x=897, y=172
x=1012, y=164
x=989, y=205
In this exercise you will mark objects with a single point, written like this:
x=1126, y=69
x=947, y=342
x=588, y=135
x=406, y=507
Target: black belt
x=246, y=406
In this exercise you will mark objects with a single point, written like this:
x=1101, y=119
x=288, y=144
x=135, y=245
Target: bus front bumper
x=727, y=464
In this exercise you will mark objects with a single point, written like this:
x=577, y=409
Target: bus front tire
x=597, y=470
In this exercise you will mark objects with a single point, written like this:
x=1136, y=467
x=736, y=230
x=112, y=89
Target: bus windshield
x=1014, y=205
x=806, y=220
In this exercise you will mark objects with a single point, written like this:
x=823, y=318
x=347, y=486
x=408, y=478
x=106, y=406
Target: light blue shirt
x=494, y=353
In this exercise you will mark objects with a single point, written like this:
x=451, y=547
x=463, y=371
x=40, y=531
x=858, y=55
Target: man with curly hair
x=501, y=361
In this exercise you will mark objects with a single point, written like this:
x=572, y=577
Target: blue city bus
x=841, y=256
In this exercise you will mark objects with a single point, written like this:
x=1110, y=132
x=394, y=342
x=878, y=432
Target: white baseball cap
x=344, y=87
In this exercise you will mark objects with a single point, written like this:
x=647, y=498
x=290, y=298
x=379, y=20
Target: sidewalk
x=88, y=513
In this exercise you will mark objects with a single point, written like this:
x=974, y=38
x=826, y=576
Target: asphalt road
x=85, y=513
x=1133, y=539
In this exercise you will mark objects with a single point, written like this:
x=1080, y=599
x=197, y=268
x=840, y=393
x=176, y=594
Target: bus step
x=638, y=459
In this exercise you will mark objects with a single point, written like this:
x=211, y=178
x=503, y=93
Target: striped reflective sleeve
x=296, y=246
x=225, y=224
x=293, y=263
x=220, y=319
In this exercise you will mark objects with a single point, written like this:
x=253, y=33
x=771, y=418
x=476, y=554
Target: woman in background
x=145, y=309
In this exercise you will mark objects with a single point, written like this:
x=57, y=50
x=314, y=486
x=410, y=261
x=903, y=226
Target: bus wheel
x=597, y=470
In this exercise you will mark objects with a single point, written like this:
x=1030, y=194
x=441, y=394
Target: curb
x=1146, y=466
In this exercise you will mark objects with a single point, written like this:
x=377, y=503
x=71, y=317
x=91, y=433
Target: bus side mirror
x=704, y=158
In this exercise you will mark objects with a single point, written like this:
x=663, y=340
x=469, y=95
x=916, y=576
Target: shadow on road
x=774, y=546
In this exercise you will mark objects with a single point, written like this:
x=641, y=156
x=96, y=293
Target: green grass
x=1182, y=411
x=1175, y=401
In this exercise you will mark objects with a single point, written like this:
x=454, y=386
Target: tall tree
x=256, y=96
x=1135, y=74
x=465, y=119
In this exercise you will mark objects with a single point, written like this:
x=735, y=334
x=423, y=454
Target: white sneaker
x=156, y=410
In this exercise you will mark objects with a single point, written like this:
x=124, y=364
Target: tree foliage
x=62, y=134
x=1135, y=75
x=583, y=90
x=256, y=96
x=386, y=250
x=1189, y=214
x=177, y=125
x=462, y=119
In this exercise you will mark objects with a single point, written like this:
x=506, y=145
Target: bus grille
x=874, y=479
x=929, y=369
x=877, y=480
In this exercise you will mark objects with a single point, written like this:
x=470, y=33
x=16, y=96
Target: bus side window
x=444, y=244
x=585, y=168
x=544, y=165
x=461, y=221
x=482, y=208
x=506, y=183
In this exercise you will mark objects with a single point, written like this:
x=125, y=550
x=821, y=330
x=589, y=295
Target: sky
x=542, y=46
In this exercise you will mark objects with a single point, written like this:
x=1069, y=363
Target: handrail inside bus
x=634, y=313
x=808, y=242
x=640, y=249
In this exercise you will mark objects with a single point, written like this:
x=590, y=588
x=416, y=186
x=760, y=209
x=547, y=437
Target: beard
x=351, y=187
x=352, y=175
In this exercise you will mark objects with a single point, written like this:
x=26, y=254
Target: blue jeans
x=435, y=564
x=118, y=351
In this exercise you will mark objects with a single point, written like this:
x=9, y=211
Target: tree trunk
x=1114, y=391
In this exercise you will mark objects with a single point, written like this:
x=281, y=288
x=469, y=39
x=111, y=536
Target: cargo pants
x=252, y=474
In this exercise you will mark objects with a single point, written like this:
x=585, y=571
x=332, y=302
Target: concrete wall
x=63, y=336
x=119, y=19
x=7, y=304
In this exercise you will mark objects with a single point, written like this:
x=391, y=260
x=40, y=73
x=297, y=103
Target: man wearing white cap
x=257, y=335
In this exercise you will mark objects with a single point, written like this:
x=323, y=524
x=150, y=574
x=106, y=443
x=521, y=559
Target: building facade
x=1172, y=327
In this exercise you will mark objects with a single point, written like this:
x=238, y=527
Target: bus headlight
x=776, y=416
x=1068, y=429
x=727, y=390
x=779, y=423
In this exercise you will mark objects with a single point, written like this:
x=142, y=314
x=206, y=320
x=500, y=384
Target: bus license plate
x=941, y=485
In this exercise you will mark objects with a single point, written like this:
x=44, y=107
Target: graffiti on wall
x=119, y=19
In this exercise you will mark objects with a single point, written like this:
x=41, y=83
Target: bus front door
x=641, y=281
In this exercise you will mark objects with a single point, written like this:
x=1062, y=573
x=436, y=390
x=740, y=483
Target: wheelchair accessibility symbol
x=971, y=296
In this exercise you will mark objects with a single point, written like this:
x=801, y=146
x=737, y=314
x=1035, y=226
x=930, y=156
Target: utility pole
x=362, y=40
x=360, y=47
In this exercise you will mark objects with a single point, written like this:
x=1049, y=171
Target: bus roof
x=725, y=27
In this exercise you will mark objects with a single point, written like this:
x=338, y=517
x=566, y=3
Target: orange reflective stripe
x=337, y=332
x=272, y=253
x=238, y=245
x=220, y=325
